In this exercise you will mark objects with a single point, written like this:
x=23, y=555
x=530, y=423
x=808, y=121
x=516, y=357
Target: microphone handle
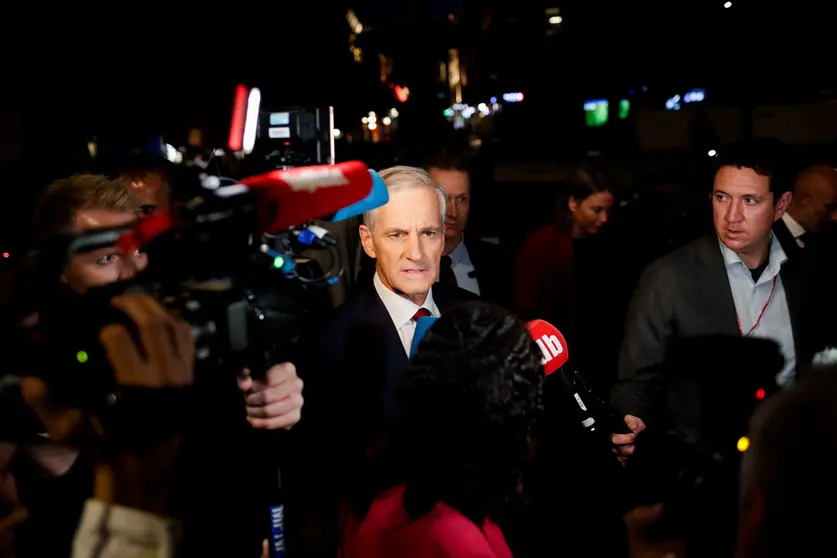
x=276, y=499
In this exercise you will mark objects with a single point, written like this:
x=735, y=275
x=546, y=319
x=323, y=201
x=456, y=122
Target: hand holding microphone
x=624, y=443
x=593, y=413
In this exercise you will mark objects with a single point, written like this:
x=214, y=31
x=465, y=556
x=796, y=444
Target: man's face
x=457, y=184
x=744, y=208
x=407, y=242
x=151, y=192
x=104, y=265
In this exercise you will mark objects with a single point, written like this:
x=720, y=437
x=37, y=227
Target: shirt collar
x=400, y=309
x=776, y=257
x=460, y=253
x=793, y=225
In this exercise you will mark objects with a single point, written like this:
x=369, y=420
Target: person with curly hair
x=454, y=459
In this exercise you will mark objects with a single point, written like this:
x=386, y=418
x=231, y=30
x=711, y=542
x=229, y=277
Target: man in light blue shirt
x=739, y=281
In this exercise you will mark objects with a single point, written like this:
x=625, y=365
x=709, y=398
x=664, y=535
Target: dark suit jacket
x=686, y=294
x=786, y=239
x=492, y=267
x=361, y=349
x=357, y=362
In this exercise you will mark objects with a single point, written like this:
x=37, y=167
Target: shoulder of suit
x=446, y=296
x=357, y=305
x=547, y=231
x=680, y=259
x=485, y=250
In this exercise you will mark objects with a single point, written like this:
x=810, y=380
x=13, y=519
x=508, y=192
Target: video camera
x=224, y=259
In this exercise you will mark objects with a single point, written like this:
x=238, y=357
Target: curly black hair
x=470, y=403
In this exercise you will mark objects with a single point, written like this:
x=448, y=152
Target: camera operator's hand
x=625, y=443
x=139, y=478
x=275, y=402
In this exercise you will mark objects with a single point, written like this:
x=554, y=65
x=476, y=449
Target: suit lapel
x=712, y=286
x=379, y=317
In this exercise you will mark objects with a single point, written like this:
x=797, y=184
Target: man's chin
x=413, y=286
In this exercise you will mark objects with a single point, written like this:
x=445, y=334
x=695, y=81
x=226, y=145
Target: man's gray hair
x=400, y=177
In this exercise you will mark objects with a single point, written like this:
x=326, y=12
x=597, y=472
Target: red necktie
x=421, y=313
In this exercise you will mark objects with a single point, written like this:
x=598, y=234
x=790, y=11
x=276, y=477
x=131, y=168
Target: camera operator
x=127, y=511
x=53, y=479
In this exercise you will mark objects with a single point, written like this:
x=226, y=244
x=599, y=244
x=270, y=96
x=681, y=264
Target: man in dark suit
x=363, y=352
x=467, y=262
x=738, y=281
x=814, y=204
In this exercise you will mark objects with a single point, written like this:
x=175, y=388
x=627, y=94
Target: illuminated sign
x=513, y=97
x=694, y=96
x=402, y=93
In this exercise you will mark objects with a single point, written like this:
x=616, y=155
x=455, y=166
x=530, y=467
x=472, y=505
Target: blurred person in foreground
x=788, y=486
x=563, y=275
x=53, y=479
x=469, y=405
x=126, y=512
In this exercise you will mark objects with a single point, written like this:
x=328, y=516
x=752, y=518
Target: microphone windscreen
x=294, y=196
x=552, y=344
x=378, y=196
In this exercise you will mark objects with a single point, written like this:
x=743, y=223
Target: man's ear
x=366, y=241
x=782, y=205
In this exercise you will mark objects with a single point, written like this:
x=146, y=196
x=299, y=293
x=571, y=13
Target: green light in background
x=624, y=109
x=278, y=262
x=448, y=112
x=81, y=356
x=596, y=112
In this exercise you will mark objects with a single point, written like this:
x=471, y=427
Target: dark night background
x=125, y=75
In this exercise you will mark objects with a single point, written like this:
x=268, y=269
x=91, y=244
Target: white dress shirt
x=402, y=310
x=463, y=269
x=795, y=228
x=750, y=298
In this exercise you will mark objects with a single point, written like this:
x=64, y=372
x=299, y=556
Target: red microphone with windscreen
x=552, y=344
x=294, y=196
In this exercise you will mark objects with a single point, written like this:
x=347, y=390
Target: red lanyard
x=761, y=315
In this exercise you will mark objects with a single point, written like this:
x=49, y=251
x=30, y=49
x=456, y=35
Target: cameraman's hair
x=469, y=406
x=55, y=212
x=400, y=177
x=766, y=157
